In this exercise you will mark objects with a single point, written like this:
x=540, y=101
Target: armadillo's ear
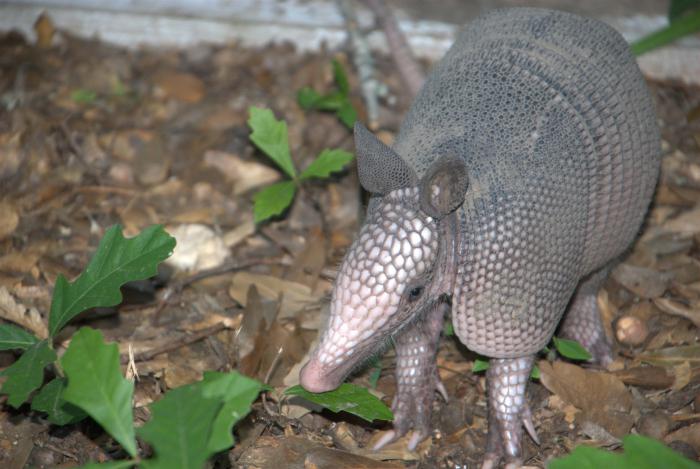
x=380, y=168
x=443, y=186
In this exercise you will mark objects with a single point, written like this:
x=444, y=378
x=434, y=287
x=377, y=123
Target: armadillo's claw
x=527, y=423
x=491, y=461
x=416, y=438
x=441, y=389
x=387, y=438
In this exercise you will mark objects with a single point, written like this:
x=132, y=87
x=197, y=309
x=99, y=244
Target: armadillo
x=521, y=173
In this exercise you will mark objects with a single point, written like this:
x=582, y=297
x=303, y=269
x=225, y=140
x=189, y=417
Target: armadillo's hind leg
x=508, y=410
x=583, y=322
x=416, y=378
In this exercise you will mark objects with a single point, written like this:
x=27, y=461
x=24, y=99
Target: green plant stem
x=683, y=26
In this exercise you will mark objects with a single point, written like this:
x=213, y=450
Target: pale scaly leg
x=416, y=378
x=583, y=322
x=508, y=410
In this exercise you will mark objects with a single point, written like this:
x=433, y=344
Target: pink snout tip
x=314, y=378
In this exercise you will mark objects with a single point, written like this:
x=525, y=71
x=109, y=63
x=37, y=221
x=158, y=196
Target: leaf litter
x=98, y=135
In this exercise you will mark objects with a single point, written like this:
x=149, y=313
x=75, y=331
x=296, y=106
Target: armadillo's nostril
x=314, y=379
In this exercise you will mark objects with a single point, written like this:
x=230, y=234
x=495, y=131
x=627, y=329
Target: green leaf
x=307, y=98
x=535, y=372
x=82, y=96
x=273, y=200
x=349, y=398
x=480, y=364
x=678, y=8
x=329, y=161
x=27, y=373
x=347, y=114
x=571, y=349
x=270, y=136
x=50, y=400
x=448, y=329
x=180, y=428
x=96, y=385
x=644, y=452
x=237, y=393
x=683, y=26
x=117, y=261
x=585, y=457
x=341, y=78
x=13, y=337
x=640, y=453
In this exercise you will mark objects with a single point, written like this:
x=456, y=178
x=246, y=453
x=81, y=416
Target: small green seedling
x=640, y=453
x=188, y=425
x=270, y=136
x=336, y=101
x=684, y=20
x=348, y=398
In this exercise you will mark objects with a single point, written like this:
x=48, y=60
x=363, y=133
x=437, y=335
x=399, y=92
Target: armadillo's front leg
x=416, y=378
x=508, y=410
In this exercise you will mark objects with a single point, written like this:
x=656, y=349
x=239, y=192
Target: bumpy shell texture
x=557, y=128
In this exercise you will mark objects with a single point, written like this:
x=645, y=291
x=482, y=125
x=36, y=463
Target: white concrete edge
x=258, y=22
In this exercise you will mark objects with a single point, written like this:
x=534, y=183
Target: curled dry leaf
x=27, y=317
x=643, y=282
x=686, y=223
x=602, y=397
x=243, y=174
x=295, y=296
x=691, y=312
x=9, y=219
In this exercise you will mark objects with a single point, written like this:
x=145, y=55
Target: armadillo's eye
x=415, y=293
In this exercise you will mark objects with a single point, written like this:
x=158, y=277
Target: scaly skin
x=416, y=378
x=508, y=410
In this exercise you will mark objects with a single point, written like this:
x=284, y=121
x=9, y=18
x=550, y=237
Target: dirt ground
x=92, y=135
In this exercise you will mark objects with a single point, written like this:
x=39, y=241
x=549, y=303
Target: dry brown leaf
x=682, y=374
x=689, y=434
x=27, y=317
x=9, y=219
x=672, y=356
x=181, y=86
x=686, y=223
x=669, y=306
x=243, y=174
x=239, y=233
x=602, y=397
x=44, y=29
x=295, y=296
x=643, y=282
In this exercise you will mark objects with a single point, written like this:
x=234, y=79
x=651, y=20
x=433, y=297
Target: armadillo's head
x=389, y=275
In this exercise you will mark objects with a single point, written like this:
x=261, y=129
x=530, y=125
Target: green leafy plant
x=640, y=453
x=270, y=136
x=684, y=19
x=117, y=261
x=188, y=425
x=337, y=101
x=349, y=398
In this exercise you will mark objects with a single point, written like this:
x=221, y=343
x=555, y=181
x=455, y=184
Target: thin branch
x=408, y=67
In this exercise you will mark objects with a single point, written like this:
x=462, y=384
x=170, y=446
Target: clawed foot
x=412, y=410
x=497, y=450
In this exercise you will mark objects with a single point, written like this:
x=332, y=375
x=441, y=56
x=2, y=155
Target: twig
x=409, y=69
x=175, y=344
x=364, y=63
x=175, y=290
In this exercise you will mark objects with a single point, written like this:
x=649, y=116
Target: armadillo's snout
x=314, y=378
